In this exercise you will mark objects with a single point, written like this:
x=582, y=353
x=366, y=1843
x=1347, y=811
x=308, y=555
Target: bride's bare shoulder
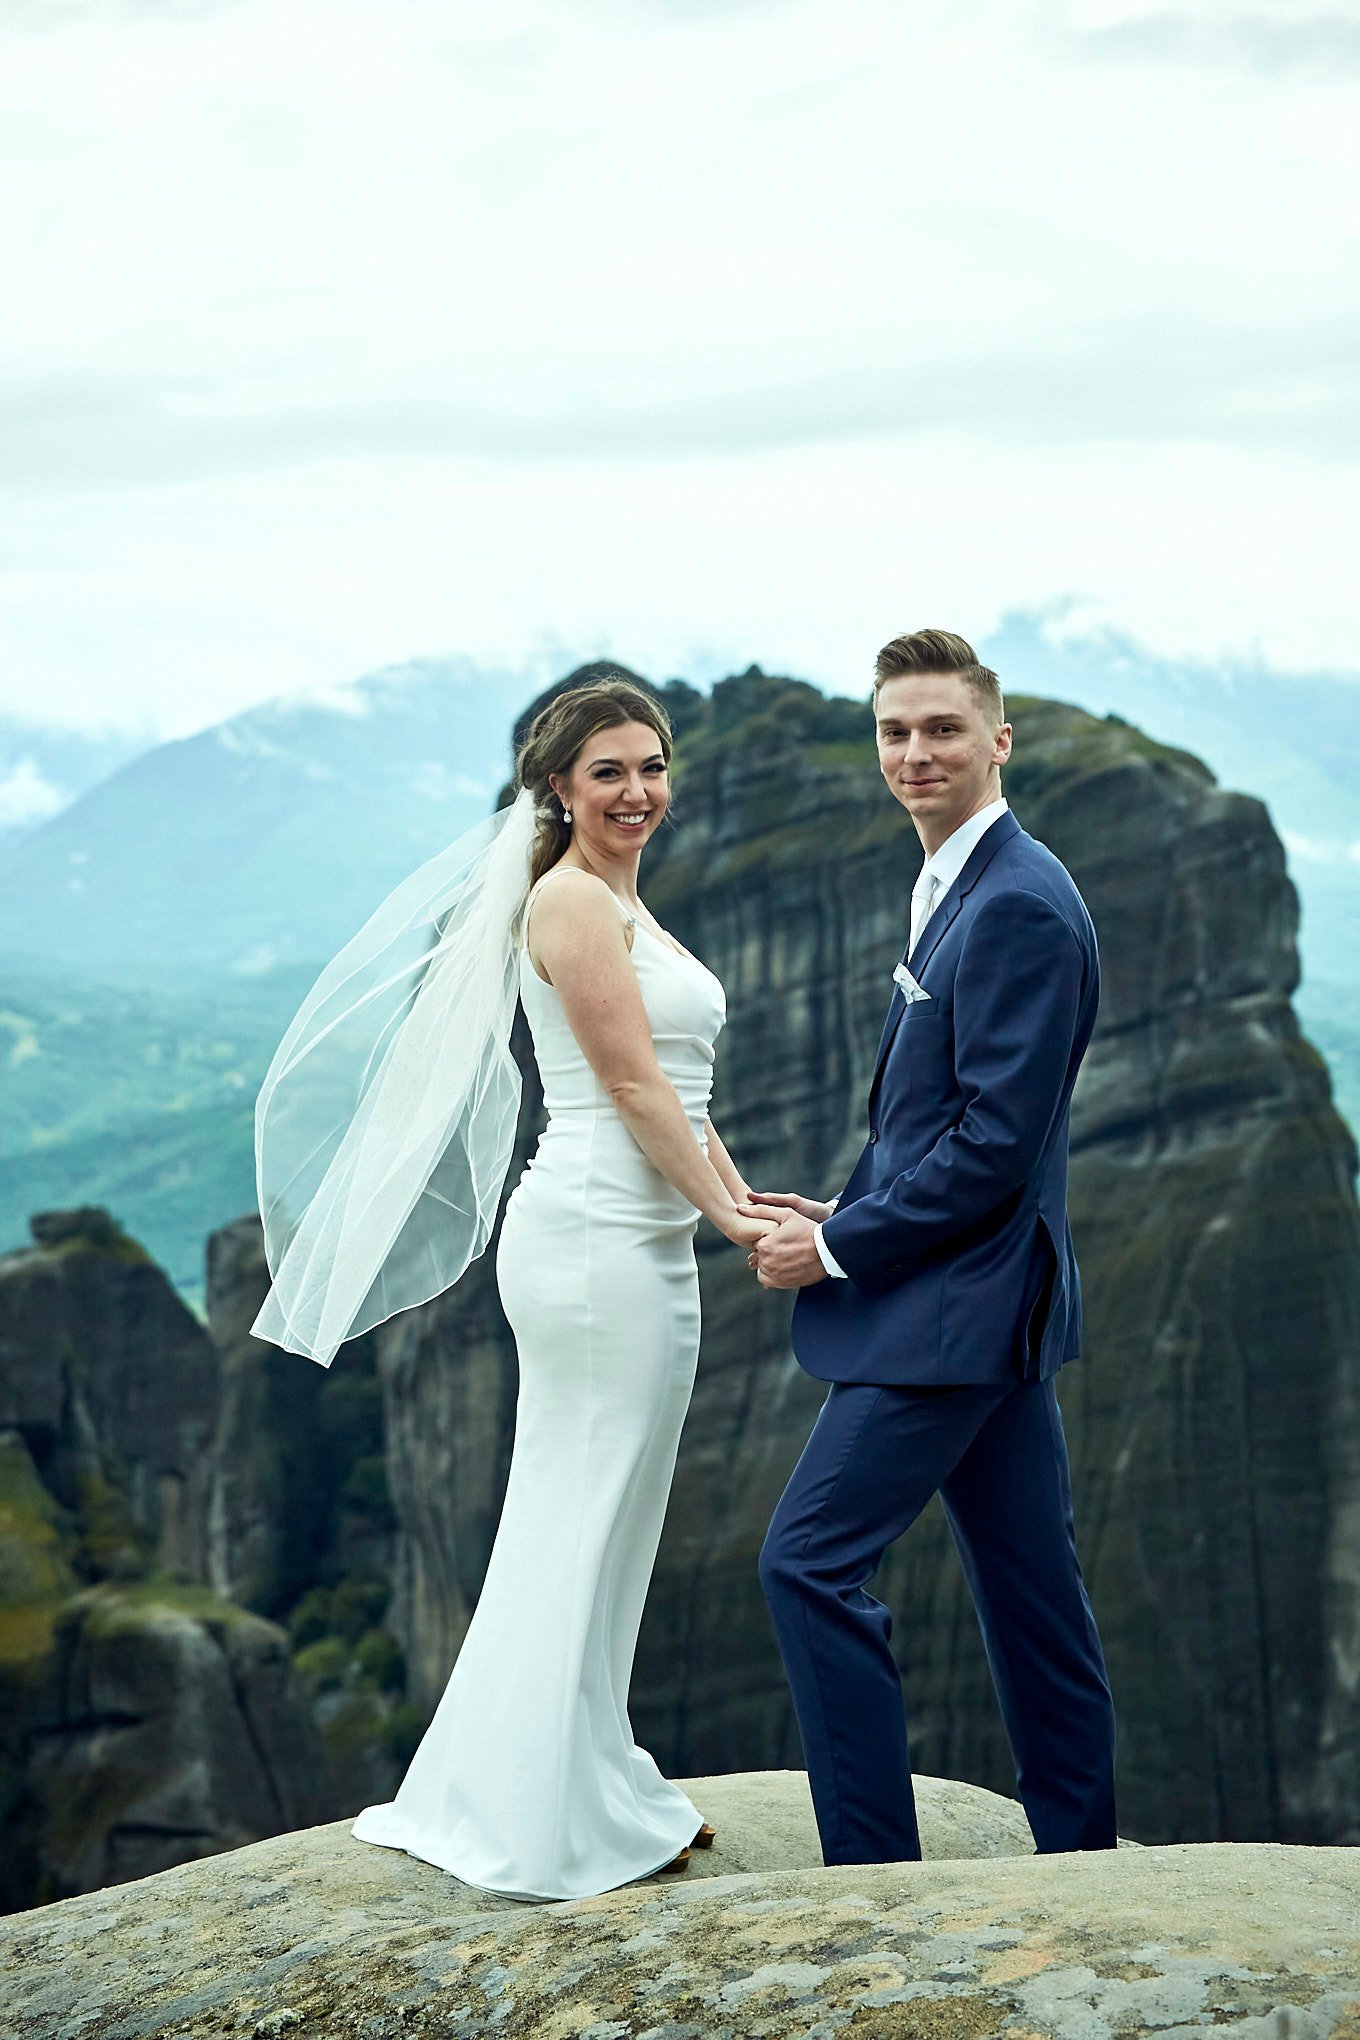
x=568, y=901
x=567, y=886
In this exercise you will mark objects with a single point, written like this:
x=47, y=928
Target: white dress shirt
x=937, y=874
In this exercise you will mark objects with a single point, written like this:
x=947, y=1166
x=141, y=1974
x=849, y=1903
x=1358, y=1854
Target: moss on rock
x=90, y=1229
x=37, y=1536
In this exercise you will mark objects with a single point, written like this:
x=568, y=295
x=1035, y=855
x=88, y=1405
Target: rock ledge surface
x=316, y=1933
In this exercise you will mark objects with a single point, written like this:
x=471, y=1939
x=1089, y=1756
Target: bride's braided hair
x=557, y=736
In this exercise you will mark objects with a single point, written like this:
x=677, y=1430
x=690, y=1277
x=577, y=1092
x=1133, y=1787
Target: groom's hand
x=788, y=1259
x=775, y=1203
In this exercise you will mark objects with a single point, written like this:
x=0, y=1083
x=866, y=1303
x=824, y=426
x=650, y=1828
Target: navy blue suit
x=961, y=1303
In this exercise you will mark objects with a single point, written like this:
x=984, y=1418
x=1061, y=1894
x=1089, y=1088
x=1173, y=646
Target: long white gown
x=528, y=1782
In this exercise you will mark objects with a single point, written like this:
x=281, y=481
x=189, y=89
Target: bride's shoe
x=703, y=1840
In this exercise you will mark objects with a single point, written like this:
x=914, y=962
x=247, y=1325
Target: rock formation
x=300, y=1525
x=102, y=1368
x=318, y=1934
x=145, y=1720
x=1212, y=1418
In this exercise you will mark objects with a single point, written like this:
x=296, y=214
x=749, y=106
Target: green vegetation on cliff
x=143, y=1716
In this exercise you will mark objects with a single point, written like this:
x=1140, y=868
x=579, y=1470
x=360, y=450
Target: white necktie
x=922, y=906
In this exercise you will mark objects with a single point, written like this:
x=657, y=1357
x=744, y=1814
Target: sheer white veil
x=385, y=1125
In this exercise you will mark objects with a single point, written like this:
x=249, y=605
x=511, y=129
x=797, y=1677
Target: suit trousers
x=997, y=1456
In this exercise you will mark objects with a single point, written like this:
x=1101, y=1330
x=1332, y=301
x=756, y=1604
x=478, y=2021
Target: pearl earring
x=566, y=816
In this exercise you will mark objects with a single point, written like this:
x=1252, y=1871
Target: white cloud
x=246, y=743
x=436, y=782
x=26, y=796
x=1320, y=849
x=1261, y=34
x=255, y=962
x=340, y=332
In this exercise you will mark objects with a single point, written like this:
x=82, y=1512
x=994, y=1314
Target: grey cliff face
x=1215, y=1217
x=143, y=1719
x=300, y=1522
x=285, y=1440
x=170, y=1727
x=102, y=1366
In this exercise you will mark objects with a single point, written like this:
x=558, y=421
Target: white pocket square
x=911, y=991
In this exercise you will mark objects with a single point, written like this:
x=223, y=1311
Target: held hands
x=745, y=1229
x=761, y=1201
x=786, y=1257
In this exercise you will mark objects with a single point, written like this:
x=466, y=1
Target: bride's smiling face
x=617, y=789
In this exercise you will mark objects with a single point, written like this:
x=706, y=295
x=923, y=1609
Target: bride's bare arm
x=726, y=1167
x=578, y=940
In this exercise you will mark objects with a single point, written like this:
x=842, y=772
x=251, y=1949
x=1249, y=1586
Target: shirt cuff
x=828, y=1259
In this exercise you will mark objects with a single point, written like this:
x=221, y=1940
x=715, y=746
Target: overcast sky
x=695, y=331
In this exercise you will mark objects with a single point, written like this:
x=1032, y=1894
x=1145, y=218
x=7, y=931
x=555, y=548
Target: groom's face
x=938, y=750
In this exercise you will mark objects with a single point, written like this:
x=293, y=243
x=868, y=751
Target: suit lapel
x=1001, y=831
x=885, y=1039
x=930, y=936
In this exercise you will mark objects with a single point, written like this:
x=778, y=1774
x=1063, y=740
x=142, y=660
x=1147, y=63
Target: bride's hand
x=779, y=1201
x=744, y=1231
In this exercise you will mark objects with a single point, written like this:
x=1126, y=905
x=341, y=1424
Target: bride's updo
x=556, y=738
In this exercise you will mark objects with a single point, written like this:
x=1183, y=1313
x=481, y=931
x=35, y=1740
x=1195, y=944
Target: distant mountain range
x=267, y=838
x=158, y=932
x=42, y=771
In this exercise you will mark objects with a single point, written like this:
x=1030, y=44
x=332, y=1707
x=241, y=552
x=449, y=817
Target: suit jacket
x=953, y=1226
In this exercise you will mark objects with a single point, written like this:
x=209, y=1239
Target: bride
x=528, y=1782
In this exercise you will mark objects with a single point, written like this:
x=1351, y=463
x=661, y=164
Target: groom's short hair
x=940, y=651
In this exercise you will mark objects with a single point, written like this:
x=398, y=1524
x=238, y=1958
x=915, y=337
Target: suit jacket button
x=873, y=1133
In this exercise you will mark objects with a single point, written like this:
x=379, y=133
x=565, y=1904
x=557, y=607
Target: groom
x=939, y=1297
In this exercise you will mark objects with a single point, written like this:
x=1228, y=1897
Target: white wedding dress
x=528, y=1782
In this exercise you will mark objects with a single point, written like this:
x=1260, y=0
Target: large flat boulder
x=317, y=1933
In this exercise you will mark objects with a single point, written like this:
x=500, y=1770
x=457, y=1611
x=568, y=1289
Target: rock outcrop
x=300, y=1524
x=113, y=1384
x=145, y=1720
x=1212, y=1419
x=316, y=1933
